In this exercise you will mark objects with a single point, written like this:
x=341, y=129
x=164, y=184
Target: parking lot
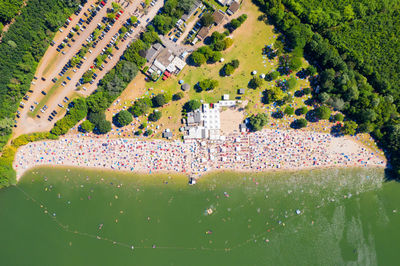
x=91, y=39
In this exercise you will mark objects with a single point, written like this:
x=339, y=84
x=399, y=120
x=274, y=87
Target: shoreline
x=264, y=151
x=211, y=172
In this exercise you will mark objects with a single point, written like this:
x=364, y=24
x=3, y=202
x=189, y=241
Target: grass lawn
x=249, y=40
x=216, y=5
x=50, y=65
x=52, y=90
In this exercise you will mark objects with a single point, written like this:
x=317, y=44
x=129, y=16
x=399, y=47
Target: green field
x=57, y=216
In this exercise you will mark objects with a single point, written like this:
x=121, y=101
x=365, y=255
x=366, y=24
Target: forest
x=8, y=10
x=354, y=46
x=22, y=47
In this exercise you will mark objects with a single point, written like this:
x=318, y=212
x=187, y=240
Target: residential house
x=233, y=8
x=218, y=16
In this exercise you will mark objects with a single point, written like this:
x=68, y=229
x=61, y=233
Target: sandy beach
x=261, y=151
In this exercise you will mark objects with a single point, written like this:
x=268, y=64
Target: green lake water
x=57, y=216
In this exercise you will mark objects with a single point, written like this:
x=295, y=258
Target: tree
x=134, y=19
x=349, y=128
x=300, y=123
x=87, y=76
x=124, y=118
x=192, y=105
x=295, y=63
x=96, y=118
x=155, y=116
x=302, y=110
x=86, y=126
x=228, y=42
x=273, y=75
x=307, y=91
x=103, y=127
x=289, y=110
x=311, y=70
x=141, y=107
x=323, y=112
x=197, y=58
x=339, y=117
x=207, y=20
x=178, y=96
x=255, y=82
x=159, y=100
x=272, y=95
x=208, y=84
x=216, y=56
x=148, y=132
x=257, y=122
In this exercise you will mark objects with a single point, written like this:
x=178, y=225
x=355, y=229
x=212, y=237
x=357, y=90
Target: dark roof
x=233, y=7
x=203, y=33
x=218, y=16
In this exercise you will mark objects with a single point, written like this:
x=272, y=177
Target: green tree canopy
x=155, y=116
x=192, y=105
x=124, y=118
x=86, y=126
x=257, y=122
x=323, y=112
